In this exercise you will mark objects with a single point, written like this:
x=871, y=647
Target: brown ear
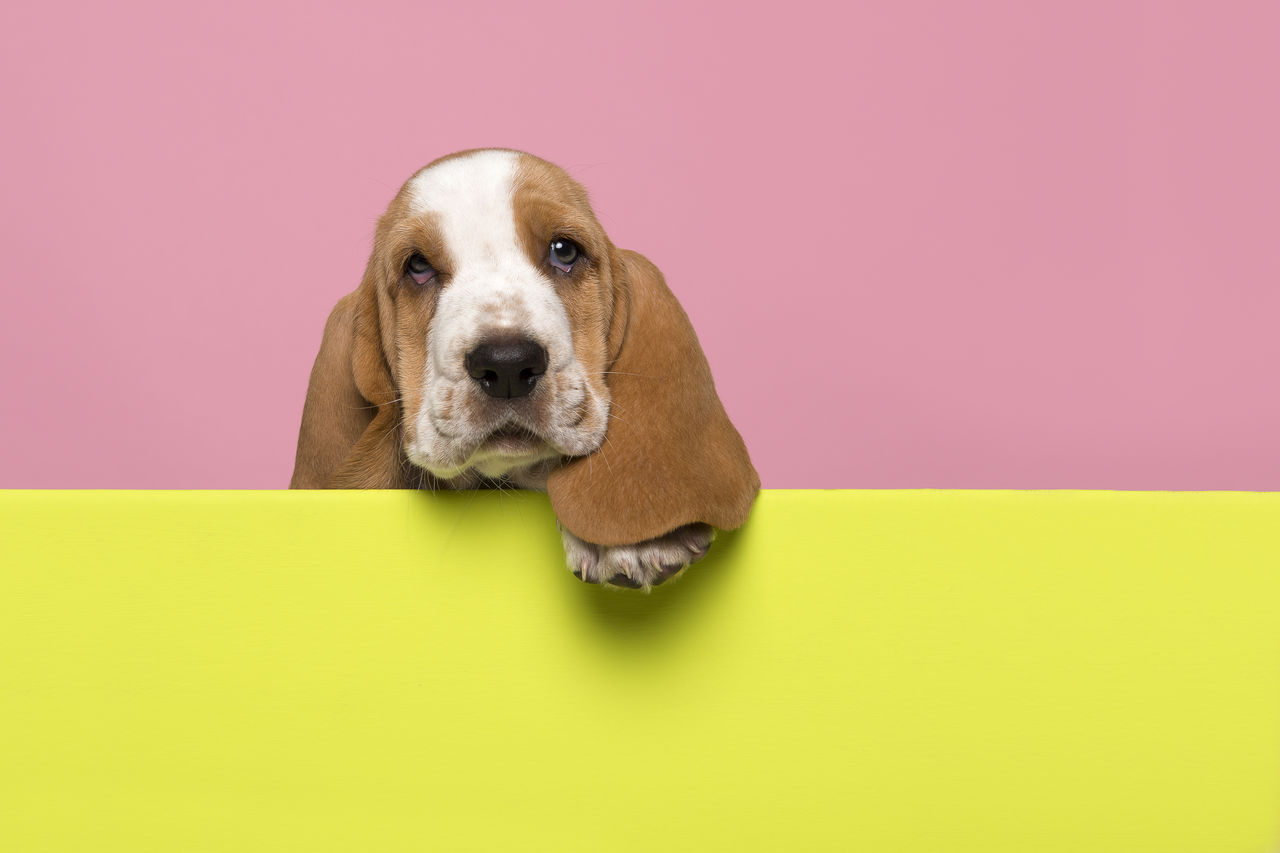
x=671, y=457
x=350, y=435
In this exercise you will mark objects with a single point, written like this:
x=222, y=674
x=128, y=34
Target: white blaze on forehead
x=472, y=197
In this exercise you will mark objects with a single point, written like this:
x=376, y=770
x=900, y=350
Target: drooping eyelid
x=420, y=279
x=421, y=235
x=406, y=254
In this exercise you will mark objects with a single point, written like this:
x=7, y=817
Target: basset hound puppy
x=499, y=338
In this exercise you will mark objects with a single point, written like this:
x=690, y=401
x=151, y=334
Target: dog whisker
x=624, y=373
x=379, y=405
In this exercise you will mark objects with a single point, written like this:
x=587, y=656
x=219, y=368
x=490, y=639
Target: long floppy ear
x=350, y=435
x=671, y=457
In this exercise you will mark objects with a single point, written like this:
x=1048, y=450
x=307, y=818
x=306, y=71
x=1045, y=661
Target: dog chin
x=505, y=452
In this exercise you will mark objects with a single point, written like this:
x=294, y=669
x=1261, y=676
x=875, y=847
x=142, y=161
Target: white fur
x=493, y=289
x=647, y=563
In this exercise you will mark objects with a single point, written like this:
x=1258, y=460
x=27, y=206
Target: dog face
x=498, y=336
x=499, y=279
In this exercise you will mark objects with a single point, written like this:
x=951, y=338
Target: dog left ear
x=350, y=435
x=671, y=457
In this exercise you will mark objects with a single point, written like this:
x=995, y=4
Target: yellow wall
x=891, y=671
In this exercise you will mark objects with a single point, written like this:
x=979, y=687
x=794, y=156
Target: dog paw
x=641, y=566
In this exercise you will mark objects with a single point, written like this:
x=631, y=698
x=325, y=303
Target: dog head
x=498, y=335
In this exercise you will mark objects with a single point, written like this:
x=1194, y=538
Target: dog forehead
x=470, y=198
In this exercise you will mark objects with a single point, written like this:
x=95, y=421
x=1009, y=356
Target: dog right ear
x=671, y=456
x=350, y=435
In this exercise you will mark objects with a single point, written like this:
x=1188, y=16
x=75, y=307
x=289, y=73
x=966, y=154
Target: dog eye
x=563, y=253
x=419, y=269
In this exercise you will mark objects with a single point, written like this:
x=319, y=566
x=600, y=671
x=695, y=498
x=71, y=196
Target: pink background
x=926, y=244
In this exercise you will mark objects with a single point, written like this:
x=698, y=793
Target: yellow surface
x=861, y=670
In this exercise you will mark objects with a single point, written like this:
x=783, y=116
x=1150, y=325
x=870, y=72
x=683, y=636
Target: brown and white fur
x=622, y=427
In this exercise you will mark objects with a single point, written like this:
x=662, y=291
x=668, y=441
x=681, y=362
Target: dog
x=498, y=338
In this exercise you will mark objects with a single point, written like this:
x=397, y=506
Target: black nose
x=507, y=367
